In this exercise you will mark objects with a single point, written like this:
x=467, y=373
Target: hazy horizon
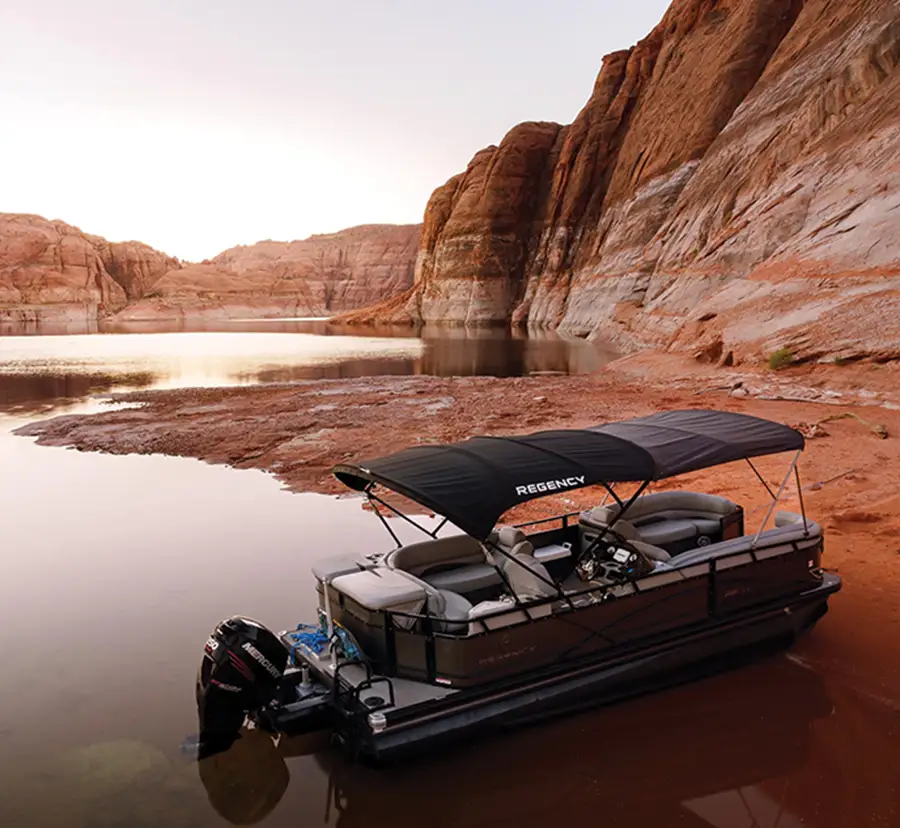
x=194, y=129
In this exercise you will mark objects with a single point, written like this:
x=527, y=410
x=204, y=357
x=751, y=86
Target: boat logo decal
x=550, y=486
x=229, y=688
x=495, y=659
x=270, y=668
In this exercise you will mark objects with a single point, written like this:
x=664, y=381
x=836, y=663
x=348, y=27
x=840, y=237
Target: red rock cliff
x=318, y=276
x=51, y=270
x=732, y=186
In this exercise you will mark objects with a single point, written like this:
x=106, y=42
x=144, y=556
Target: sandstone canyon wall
x=51, y=271
x=731, y=187
x=318, y=276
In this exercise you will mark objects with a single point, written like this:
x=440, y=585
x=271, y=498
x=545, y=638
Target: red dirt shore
x=851, y=471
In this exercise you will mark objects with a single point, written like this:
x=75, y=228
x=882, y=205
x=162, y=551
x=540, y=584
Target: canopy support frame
x=760, y=477
x=615, y=497
x=623, y=508
x=800, y=496
x=791, y=470
x=373, y=499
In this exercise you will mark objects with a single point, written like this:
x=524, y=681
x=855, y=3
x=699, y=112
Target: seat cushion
x=508, y=539
x=680, y=501
x=706, y=526
x=452, y=611
x=783, y=518
x=337, y=565
x=528, y=578
x=417, y=558
x=381, y=589
x=601, y=517
x=509, y=536
x=464, y=579
x=670, y=505
x=494, y=615
x=667, y=531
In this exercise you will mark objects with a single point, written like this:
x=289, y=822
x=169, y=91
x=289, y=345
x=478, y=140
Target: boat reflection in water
x=693, y=756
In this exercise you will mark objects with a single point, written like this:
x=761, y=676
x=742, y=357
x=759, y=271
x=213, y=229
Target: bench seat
x=662, y=532
x=465, y=579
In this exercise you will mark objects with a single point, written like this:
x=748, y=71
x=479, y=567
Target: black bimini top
x=475, y=482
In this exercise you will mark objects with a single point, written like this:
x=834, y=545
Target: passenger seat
x=527, y=576
x=506, y=538
x=451, y=611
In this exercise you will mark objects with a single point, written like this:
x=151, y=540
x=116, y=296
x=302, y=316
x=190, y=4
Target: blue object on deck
x=312, y=638
x=316, y=640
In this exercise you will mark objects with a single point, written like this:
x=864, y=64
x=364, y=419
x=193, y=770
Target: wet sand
x=851, y=474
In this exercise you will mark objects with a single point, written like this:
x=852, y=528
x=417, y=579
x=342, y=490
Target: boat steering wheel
x=611, y=557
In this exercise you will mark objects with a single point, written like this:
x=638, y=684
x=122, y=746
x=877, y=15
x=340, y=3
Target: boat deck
x=406, y=693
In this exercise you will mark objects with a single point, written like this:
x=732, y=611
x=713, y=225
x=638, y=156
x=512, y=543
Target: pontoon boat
x=484, y=625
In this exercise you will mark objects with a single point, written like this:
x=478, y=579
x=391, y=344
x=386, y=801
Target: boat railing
x=563, y=518
x=426, y=625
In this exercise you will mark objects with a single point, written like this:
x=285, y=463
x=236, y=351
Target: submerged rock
x=111, y=768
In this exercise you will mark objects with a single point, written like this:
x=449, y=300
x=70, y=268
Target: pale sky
x=197, y=125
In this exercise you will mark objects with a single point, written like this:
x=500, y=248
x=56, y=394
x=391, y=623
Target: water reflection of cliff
x=764, y=747
x=72, y=367
x=502, y=353
x=457, y=352
x=33, y=392
x=340, y=370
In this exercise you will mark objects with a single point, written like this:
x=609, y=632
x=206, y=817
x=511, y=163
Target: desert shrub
x=782, y=358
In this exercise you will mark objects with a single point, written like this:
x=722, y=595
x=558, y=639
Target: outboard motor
x=242, y=667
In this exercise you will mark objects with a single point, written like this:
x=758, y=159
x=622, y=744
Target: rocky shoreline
x=298, y=430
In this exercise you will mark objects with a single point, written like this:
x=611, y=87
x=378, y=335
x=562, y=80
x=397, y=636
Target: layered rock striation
x=51, y=271
x=319, y=276
x=731, y=187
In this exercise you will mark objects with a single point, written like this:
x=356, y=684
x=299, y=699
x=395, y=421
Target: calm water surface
x=67, y=362
x=115, y=569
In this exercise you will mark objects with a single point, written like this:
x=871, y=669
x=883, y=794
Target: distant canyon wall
x=731, y=187
x=319, y=276
x=51, y=271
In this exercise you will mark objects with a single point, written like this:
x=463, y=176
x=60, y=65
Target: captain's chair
x=528, y=578
x=500, y=544
x=509, y=549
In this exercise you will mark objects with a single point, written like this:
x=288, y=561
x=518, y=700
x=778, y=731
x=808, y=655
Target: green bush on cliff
x=782, y=358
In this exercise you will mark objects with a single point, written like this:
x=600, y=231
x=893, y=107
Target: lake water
x=69, y=363
x=115, y=569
